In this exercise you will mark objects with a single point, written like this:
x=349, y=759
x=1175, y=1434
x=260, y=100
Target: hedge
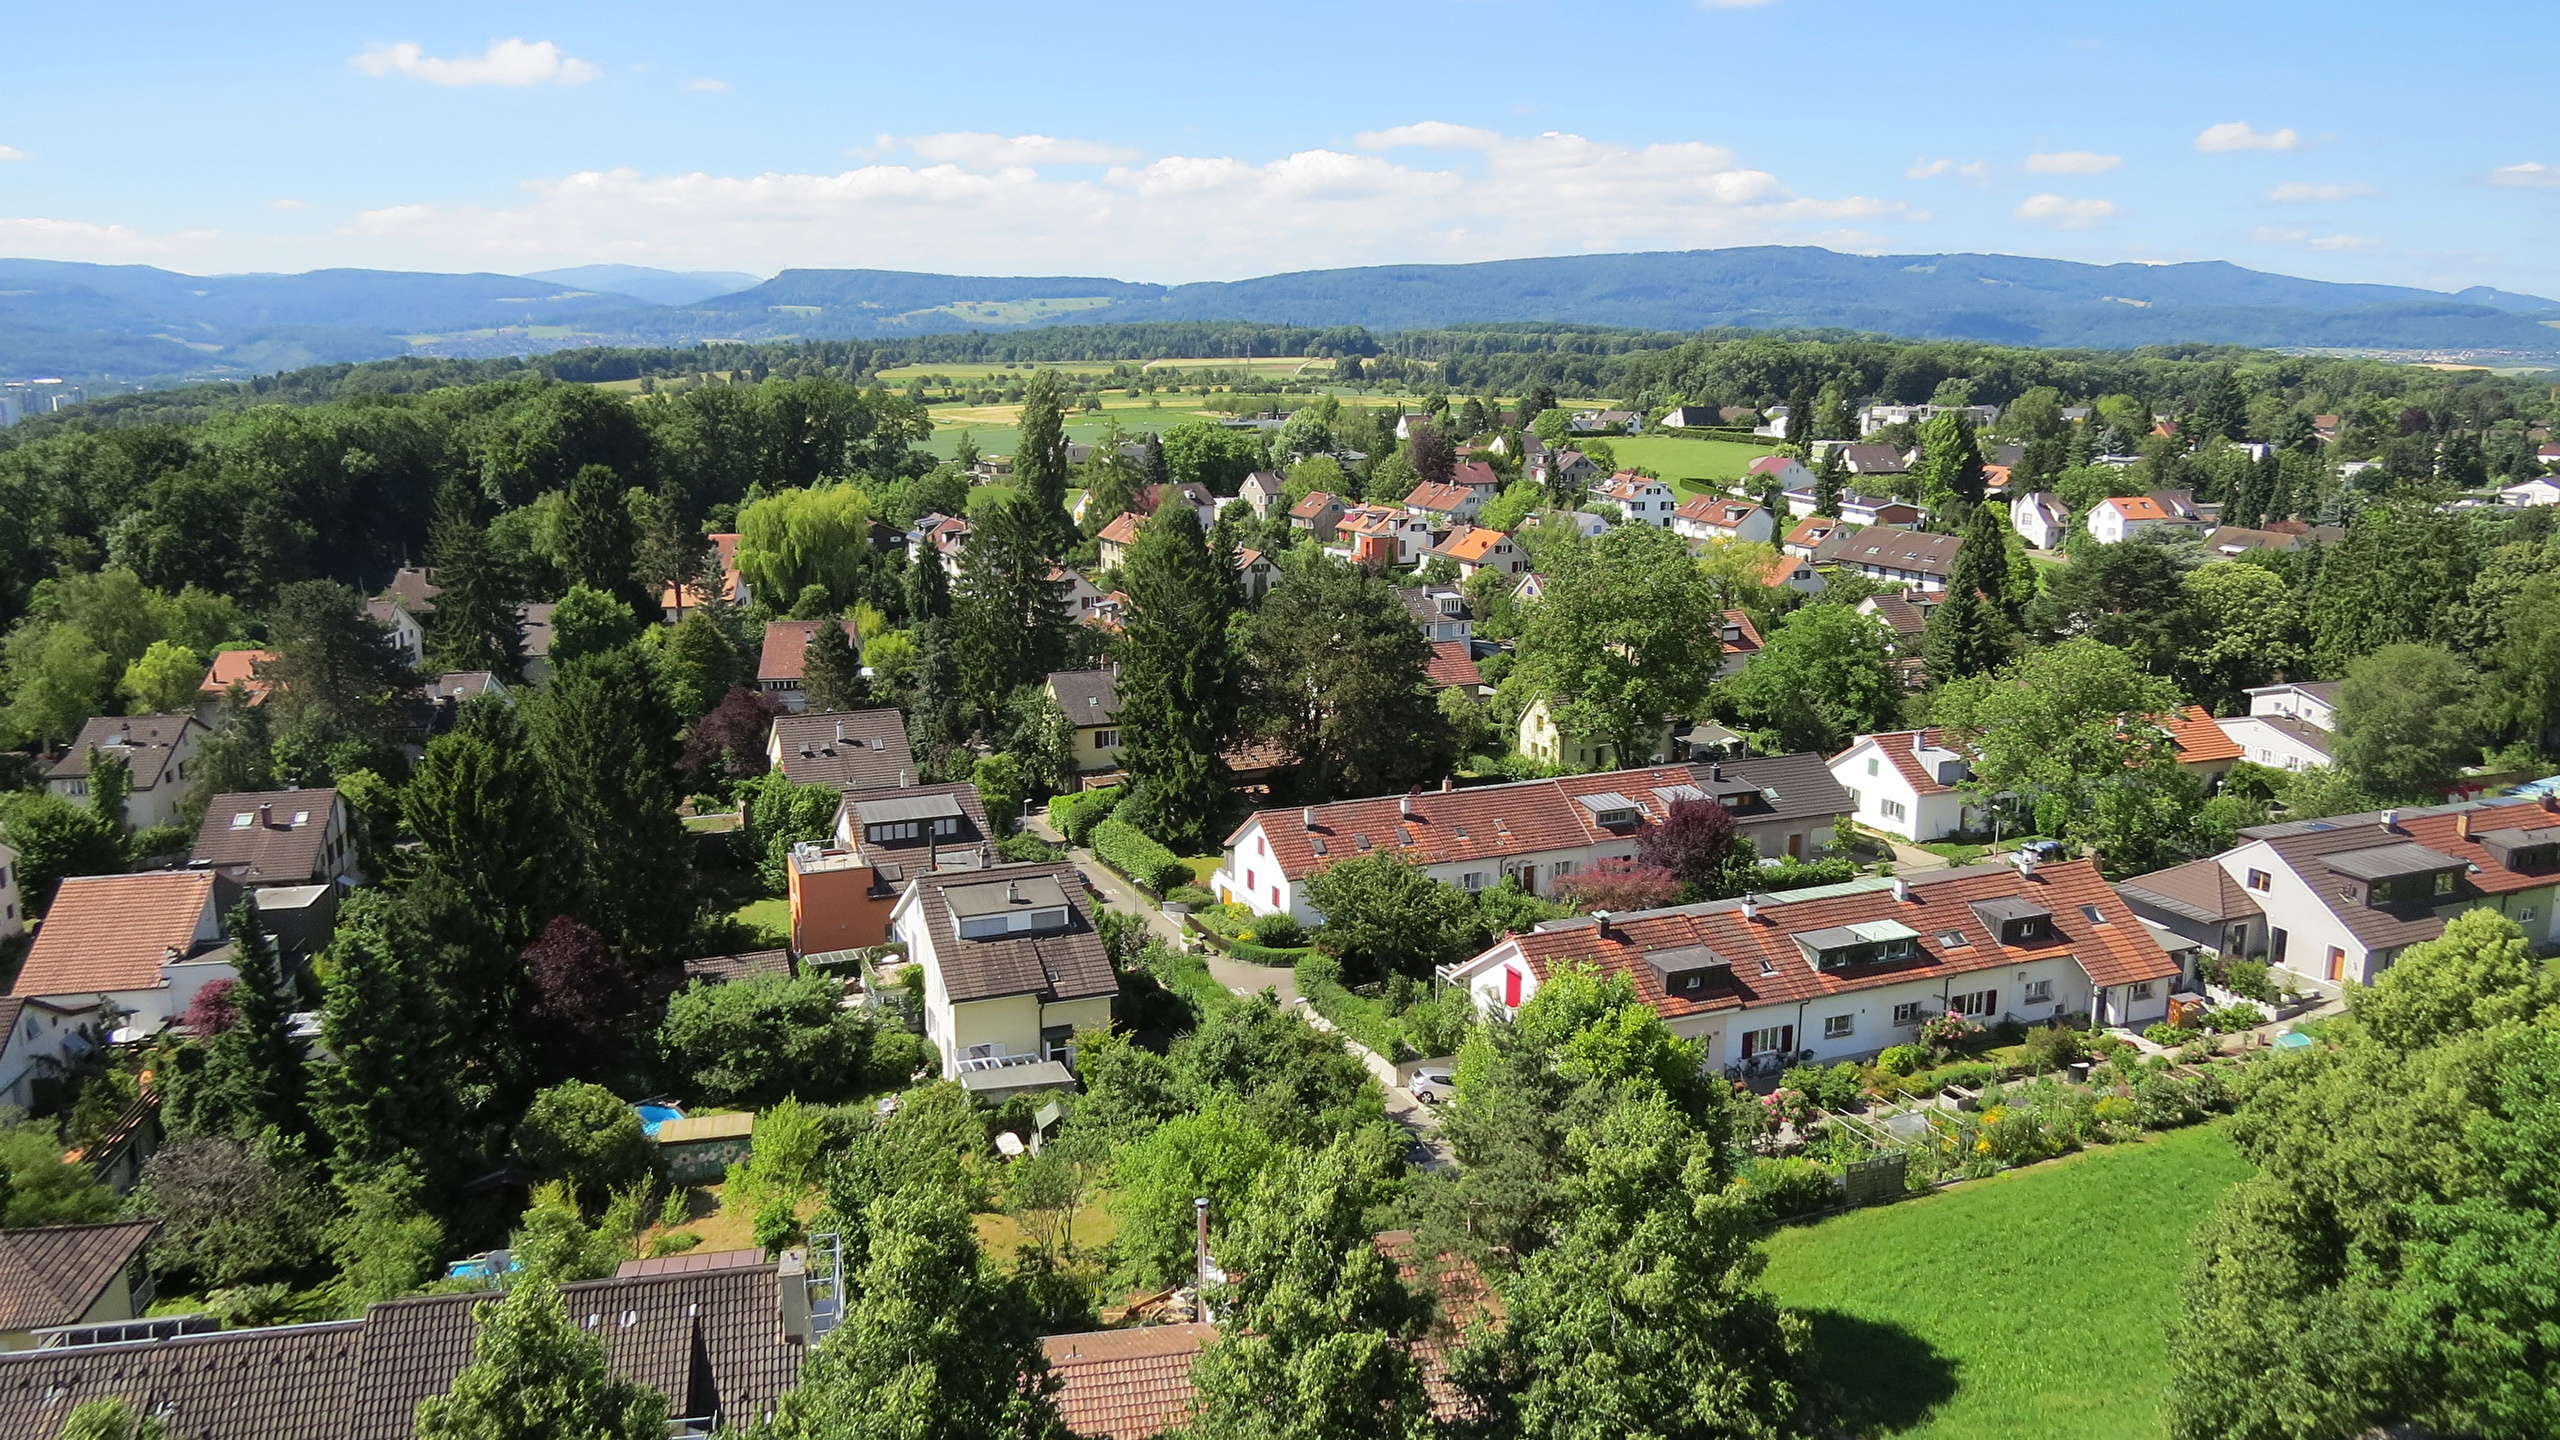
x=1185, y=975
x=1252, y=954
x=1074, y=816
x=1126, y=848
x=1320, y=985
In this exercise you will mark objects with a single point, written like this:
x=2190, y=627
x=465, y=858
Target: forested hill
x=136, y=324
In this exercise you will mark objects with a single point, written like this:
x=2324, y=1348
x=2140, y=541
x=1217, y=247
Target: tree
x=2525, y=660
x=831, y=676
x=1822, y=676
x=1830, y=477
x=230, y=1210
x=110, y=1419
x=1383, y=915
x=483, y=814
x=1040, y=463
x=110, y=781
x=699, y=662
x=1177, y=693
x=1618, y=884
x=1209, y=454
x=1950, y=465
x=382, y=1010
x=935, y=1345
x=534, y=1375
x=40, y=1186
x=928, y=591
x=598, y=548
x=1008, y=622
x=384, y=1244
x=57, y=678
x=475, y=625
x=1697, y=843
x=2060, y=729
x=2477, y=975
x=606, y=741
x=728, y=744
x=2407, y=720
x=163, y=680
x=755, y=1041
x=793, y=539
x=1214, y=1151
x=335, y=661
x=236, y=756
x=2399, y=578
x=1432, y=455
x=250, y=1081
x=586, y=1135
x=2124, y=595
x=1973, y=628
x=1340, y=678
x=587, y=622
x=2242, y=629
x=580, y=996
x=54, y=839
x=1630, y=632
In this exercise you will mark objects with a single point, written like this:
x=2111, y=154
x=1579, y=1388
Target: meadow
x=1676, y=458
x=2028, y=1306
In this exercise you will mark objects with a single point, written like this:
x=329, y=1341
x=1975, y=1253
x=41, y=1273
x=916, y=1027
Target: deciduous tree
x=1629, y=633
x=534, y=1375
x=1822, y=677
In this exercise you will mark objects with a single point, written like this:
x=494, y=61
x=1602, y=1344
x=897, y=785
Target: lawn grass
x=769, y=918
x=1677, y=457
x=2025, y=1306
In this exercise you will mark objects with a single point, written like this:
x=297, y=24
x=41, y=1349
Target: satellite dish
x=1008, y=1144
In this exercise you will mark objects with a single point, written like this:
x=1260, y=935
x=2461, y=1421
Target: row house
x=1861, y=509
x=1901, y=557
x=1713, y=518
x=1878, y=417
x=1845, y=971
x=841, y=892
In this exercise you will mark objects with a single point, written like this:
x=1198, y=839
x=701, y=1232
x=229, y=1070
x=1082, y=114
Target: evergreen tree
x=1950, y=467
x=597, y=546
x=483, y=814
x=928, y=591
x=333, y=661
x=251, y=1078
x=700, y=663
x=475, y=625
x=534, y=1375
x=2221, y=413
x=934, y=709
x=1973, y=630
x=1799, y=416
x=1040, y=464
x=831, y=675
x=1339, y=678
x=1008, y=622
x=385, y=1019
x=1177, y=701
x=1159, y=471
x=236, y=757
x=606, y=741
x=1829, y=478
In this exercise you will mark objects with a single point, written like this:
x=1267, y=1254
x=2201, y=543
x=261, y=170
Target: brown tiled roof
x=110, y=932
x=1123, y=529
x=1812, y=530
x=1069, y=965
x=849, y=749
x=872, y=807
x=1767, y=967
x=2198, y=739
x=147, y=742
x=1874, y=460
x=1901, y=616
x=1451, y=664
x=2309, y=847
x=1476, y=475
x=1460, y=1298
x=2199, y=890
x=720, y=969
x=1886, y=548
x=295, y=1382
x=268, y=837
x=786, y=648
x=1125, y=1384
x=238, y=667
x=1089, y=697
x=415, y=588
x=1315, y=504
x=1446, y=499
x=1501, y=821
x=51, y=1276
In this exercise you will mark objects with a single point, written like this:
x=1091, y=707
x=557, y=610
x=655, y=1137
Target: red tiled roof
x=1470, y=543
x=1771, y=464
x=1749, y=641
x=1896, y=745
x=1812, y=530
x=1476, y=475
x=239, y=667
x=2136, y=507
x=1767, y=967
x=1316, y=503
x=1123, y=529
x=1125, y=1384
x=110, y=932
x=1447, y=498
x=2198, y=739
x=786, y=648
x=1451, y=664
x=1713, y=510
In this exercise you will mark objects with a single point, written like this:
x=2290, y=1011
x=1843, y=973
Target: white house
x=1012, y=966
x=407, y=632
x=13, y=912
x=42, y=1040
x=1381, y=536
x=2040, y=518
x=1535, y=832
x=1691, y=417
x=158, y=752
x=1715, y=518
x=1473, y=547
x=2288, y=727
x=2121, y=517
x=1789, y=472
x=1898, y=557
x=1261, y=490
x=1442, y=613
x=146, y=943
x=1861, y=510
x=2542, y=490
x=1845, y=971
x=1441, y=506
x=1641, y=499
x=1903, y=782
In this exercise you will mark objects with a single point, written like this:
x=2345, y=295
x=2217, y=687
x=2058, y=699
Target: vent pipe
x=2391, y=821
x=1404, y=806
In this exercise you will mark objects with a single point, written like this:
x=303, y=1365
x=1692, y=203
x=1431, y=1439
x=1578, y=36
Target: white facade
x=13, y=912
x=1789, y=472
x=2544, y=491
x=2040, y=519
x=2113, y=521
x=1640, y=500
x=1888, y=800
x=47, y=1039
x=981, y=1030
x=2271, y=745
x=1251, y=877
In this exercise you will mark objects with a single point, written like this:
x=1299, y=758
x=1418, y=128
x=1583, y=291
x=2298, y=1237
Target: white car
x=1432, y=1085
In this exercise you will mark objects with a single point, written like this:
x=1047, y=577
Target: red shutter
x=1787, y=1037
x=1511, y=986
x=1746, y=1043
x=1990, y=1002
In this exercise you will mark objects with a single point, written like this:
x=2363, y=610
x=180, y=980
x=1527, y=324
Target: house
x=674, y=601
x=841, y=892
x=1903, y=783
x=56, y=1276
x=1904, y=614
x=1642, y=499
x=1789, y=472
x=1842, y=972
x=2337, y=900
x=146, y=943
x=1078, y=596
x=1380, y=536
x=2288, y=727
x=1477, y=476
x=244, y=668
x=1808, y=534
x=1118, y=536
x=1858, y=509
x=2541, y=491
x=849, y=749
x=1473, y=548
x=1582, y=522
x=534, y=625
x=1878, y=417
x=2119, y=518
x=1442, y=613
x=1744, y=415
x=1254, y=573
x=277, y=837
x=1534, y=831
x=1452, y=666
x=299, y=920
x=720, y=1334
x=1126, y=1384
x=2202, y=747
x=2326, y=428
x=1794, y=572
x=1903, y=557
x=1713, y=518
x=1013, y=969
x=1318, y=515
x=1875, y=460
x=1606, y=422
x=1261, y=490
x=1408, y=423
x=2040, y=518
x=1563, y=469
x=2231, y=540
x=944, y=537
x=1692, y=417
x=1441, y=506
x=13, y=910
x=1531, y=589
x=1774, y=426
x=155, y=749
x=1741, y=641
x=1090, y=699
x=1203, y=501
x=407, y=634
x=1549, y=741
x=40, y=1040
x=784, y=661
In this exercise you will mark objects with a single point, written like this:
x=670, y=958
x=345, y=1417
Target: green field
x=2028, y=1306
x=1677, y=457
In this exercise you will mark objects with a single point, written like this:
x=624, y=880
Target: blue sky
x=1186, y=142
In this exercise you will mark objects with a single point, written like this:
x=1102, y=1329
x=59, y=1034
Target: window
x=2145, y=989
x=1895, y=810
x=1910, y=1012
x=947, y=825
x=2261, y=880
x=1871, y=764
x=1472, y=880
x=1760, y=1042
x=2039, y=992
x=240, y=821
x=1977, y=1003
x=1106, y=739
x=2444, y=882
x=2090, y=914
x=1839, y=1027
x=1564, y=868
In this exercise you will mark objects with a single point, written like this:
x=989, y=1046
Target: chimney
x=1901, y=891
x=266, y=814
x=1307, y=817
x=791, y=1276
x=1715, y=770
x=2026, y=862
x=1013, y=892
x=2391, y=821
x=1751, y=907
x=1601, y=918
x=1404, y=806
x=839, y=732
x=1447, y=784
x=2462, y=824
x=906, y=778
x=2551, y=801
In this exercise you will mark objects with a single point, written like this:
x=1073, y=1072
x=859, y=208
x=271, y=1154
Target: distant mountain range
x=137, y=323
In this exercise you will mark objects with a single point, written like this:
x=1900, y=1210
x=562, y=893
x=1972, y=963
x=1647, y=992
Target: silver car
x=1432, y=1085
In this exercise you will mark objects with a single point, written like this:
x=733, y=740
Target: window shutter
x=1786, y=1037
x=1511, y=986
x=1990, y=1002
x=1746, y=1043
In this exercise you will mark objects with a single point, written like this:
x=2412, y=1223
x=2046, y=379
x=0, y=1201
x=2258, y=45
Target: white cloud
x=706, y=87
x=2304, y=192
x=2292, y=235
x=978, y=203
x=11, y=152
x=2531, y=175
x=2072, y=162
x=970, y=147
x=287, y=204
x=506, y=62
x=39, y=238
x=1973, y=170
x=2063, y=213
x=2235, y=135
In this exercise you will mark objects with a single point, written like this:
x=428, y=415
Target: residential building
x=2040, y=518
x=734, y=590
x=1079, y=597
x=278, y=837
x=1606, y=422
x=1473, y=548
x=2119, y=518
x=1118, y=536
x=1476, y=476
x=1692, y=417
x=2203, y=748
x=1715, y=518
x=40, y=1040
x=1013, y=969
x=1203, y=501
x=2231, y=540
x=1741, y=642
x=1903, y=782
x=1904, y=614
x=1531, y=589
x=1452, y=666
x=1549, y=740
x=1261, y=490
x=1409, y=422
x=1641, y=499
x=1789, y=473
x=1535, y=831
x=58, y=1276
x=1878, y=417
x=1808, y=534
x=784, y=662
x=944, y=537
x=1563, y=468
x=244, y=668
x=1132, y=1384
x=1875, y=460
x=2542, y=490
x=534, y=624
x=2288, y=727
x=1442, y=613
x=849, y=749
x=841, y=892
x=1318, y=515
x=1441, y=506
x=1090, y=700
x=1254, y=573
x=1842, y=972
x=155, y=749
x=1774, y=423
x=2334, y=900
x=146, y=943
x=1380, y=536
x=1902, y=557
x=407, y=633
x=13, y=909
x=1794, y=572
x=1863, y=510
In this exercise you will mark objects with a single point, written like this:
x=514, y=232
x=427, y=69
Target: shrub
x=1074, y=816
x=586, y=1135
x=2118, y=1117
x=1129, y=850
x=1777, y=1189
x=1280, y=932
x=2168, y=1036
x=1903, y=1060
x=2230, y=1019
x=1248, y=953
x=1438, y=1025
x=1943, y=1033
x=1190, y=895
x=2051, y=1048
x=1834, y=1087
x=1320, y=982
x=2160, y=1102
x=751, y=1042
x=1790, y=1106
x=1024, y=848
x=2247, y=978
x=1971, y=1074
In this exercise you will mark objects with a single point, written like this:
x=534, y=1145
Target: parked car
x=1432, y=1085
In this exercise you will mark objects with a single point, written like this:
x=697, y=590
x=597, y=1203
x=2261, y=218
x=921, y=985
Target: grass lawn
x=2025, y=1306
x=1677, y=457
x=771, y=919
x=1203, y=867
